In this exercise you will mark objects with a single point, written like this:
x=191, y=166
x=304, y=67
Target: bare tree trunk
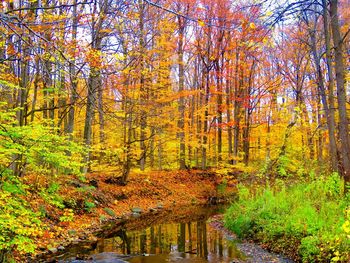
x=219, y=109
x=205, y=122
x=181, y=107
x=72, y=76
x=237, y=108
x=143, y=96
x=332, y=142
x=228, y=116
x=340, y=80
x=127, y=137
x=24, y=88
x=101, y=114
x=62, y=102
x=36, y=87
x=94, y=83
x=322, y=90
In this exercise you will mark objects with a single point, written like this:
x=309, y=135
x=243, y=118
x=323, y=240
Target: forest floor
x=76, y=210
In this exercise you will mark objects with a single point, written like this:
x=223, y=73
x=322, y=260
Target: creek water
x=189, y=234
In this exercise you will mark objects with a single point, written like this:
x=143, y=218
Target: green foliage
x=18, y=224
x=109, y=211
x=37, y=148
x=51, y=195
x=313, y=213
x=222, y=187
x=89, y=206
x=282, y=167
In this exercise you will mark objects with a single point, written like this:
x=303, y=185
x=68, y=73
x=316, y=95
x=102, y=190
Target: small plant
x=110, y=212
x=222, y=187
x=89, y=206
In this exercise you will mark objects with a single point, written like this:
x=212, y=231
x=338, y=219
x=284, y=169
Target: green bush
x=313, y=213
x=36, y=148
x=18, y=224
x=89, y=206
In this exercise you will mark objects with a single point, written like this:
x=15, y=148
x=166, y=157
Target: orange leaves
x=94, y=58
x=176, y=96
x=11, y=50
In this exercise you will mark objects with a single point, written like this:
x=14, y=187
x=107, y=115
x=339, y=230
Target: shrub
x=313, y=213
x=18, y=224
x=37, y=148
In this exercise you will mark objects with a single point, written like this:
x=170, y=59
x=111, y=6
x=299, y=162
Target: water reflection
x=194, y=241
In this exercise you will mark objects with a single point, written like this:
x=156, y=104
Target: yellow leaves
x=337, y=257
x=201, y=23
x=119, y=57
x=267, y=15
x=346, y=227
x=252, y=25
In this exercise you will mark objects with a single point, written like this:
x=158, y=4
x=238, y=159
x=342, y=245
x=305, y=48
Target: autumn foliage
x=164, y=85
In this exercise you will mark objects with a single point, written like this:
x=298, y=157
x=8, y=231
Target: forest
x=114, y=108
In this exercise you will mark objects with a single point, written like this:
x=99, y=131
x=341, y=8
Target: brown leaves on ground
x=144, y=191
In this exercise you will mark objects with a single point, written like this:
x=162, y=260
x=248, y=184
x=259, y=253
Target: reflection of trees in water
x=120, y=241
x=202, y=239
x=190, y=238
x=181, y=237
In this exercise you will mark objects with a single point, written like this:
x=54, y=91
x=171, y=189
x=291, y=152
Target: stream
x=187, y=234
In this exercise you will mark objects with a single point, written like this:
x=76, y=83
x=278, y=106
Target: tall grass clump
x=309, y=221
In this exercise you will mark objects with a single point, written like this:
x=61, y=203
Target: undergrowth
x=308, y=222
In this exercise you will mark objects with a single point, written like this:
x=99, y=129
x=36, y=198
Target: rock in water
x=61, y=248
x=53, y=250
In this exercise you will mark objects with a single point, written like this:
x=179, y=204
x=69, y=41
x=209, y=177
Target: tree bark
x=340, y=80
x=332, y=129
x=72, y=76
x=181, y=107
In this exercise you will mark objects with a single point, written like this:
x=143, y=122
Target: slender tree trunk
x=72, y=76
x=143, y=91
x=94, y=83
x=181, y=107
x=206, y=119
x=36, y=87
x=322, y=91
x=237, y=108
x=101, y=114
x=24, y=88
x=228, y=116
x=331, y=129
x=219, y=110
x=90, y=112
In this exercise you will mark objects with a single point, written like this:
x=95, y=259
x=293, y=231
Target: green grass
x=306, y=221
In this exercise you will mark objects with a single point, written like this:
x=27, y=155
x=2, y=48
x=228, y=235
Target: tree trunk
x=181, y=107
x=340, y=80
x=332, y=142
x=93, y=84
x=143, y=96
x=322, y=91
x=228, y=116
x=72, y=76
